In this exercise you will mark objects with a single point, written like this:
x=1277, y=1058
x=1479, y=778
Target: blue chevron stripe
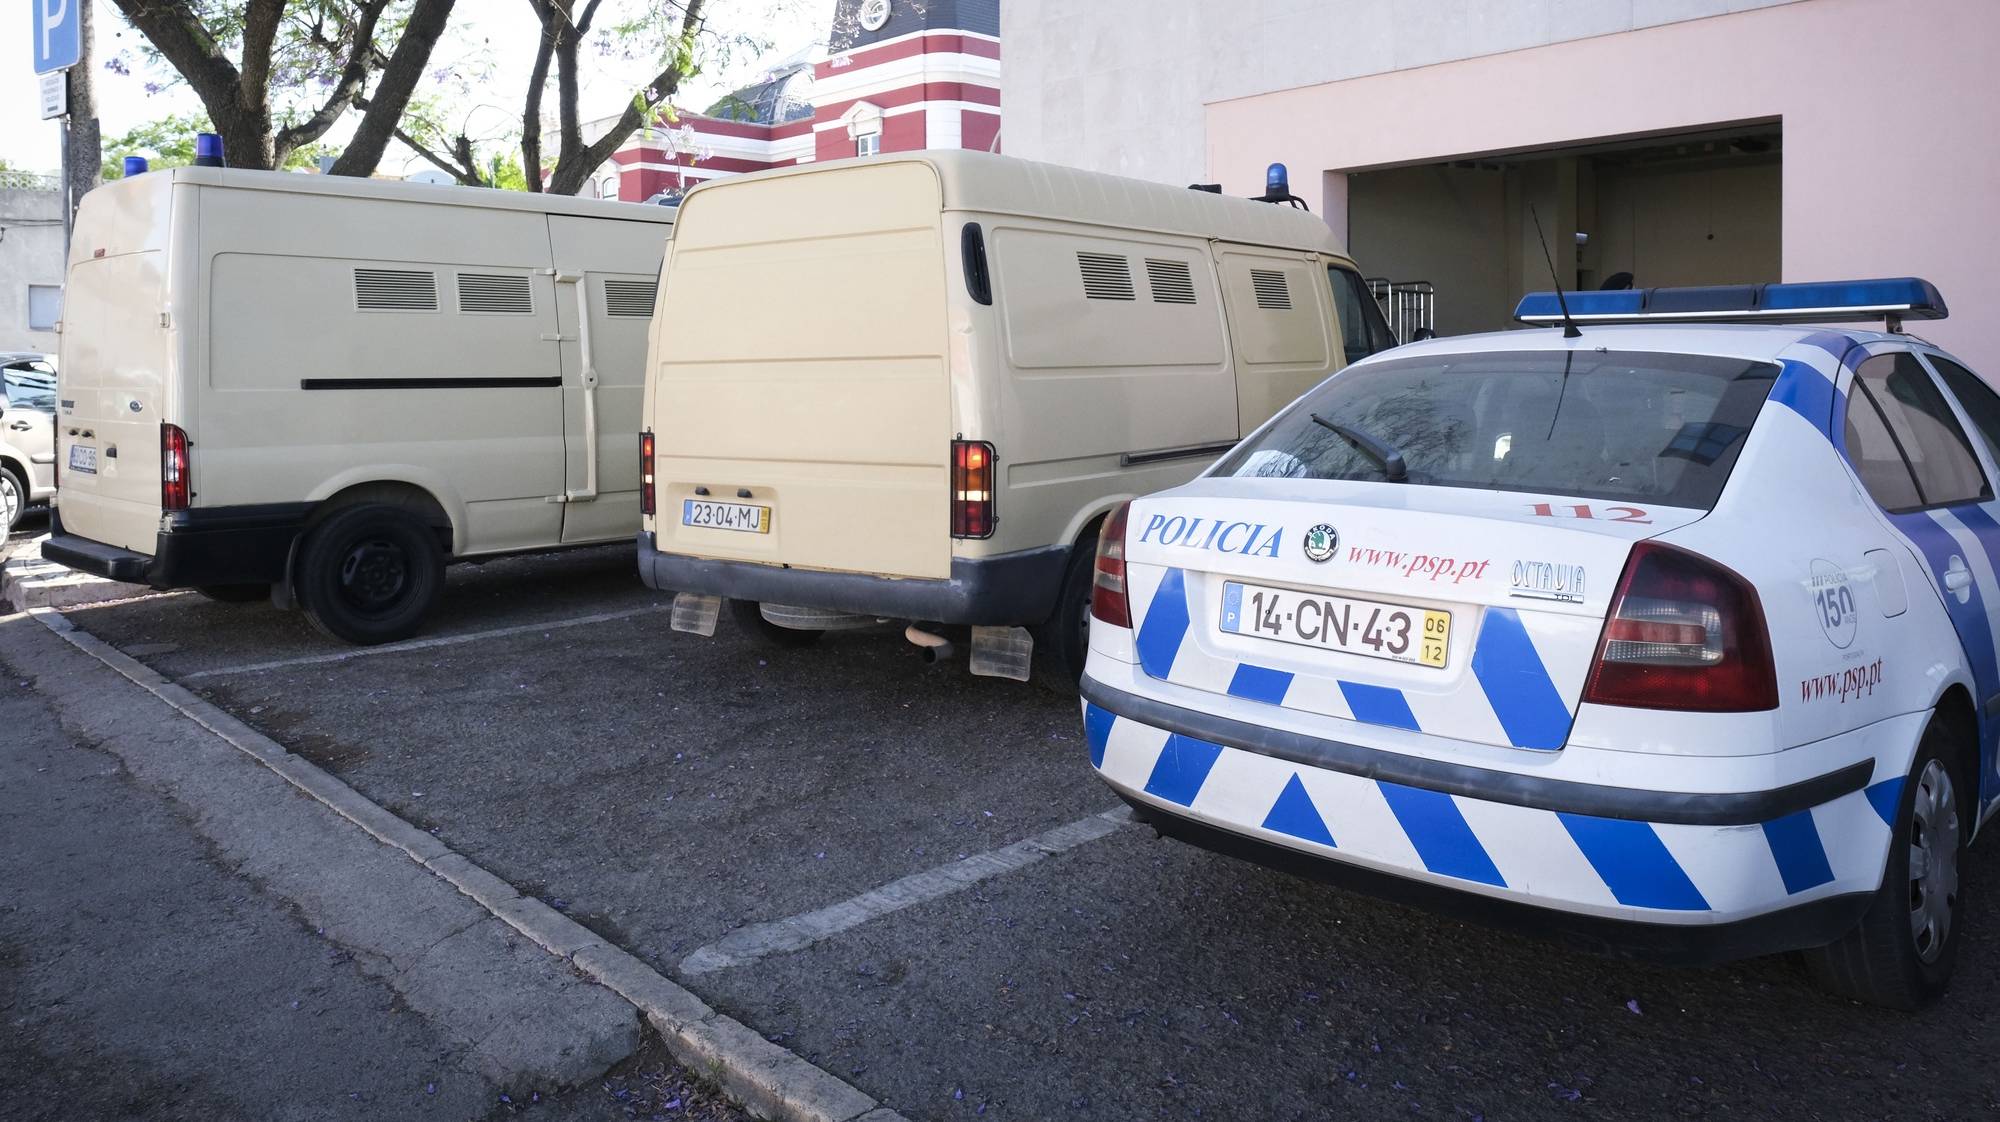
x=1379, y=705
x=1166, y=623
x=1807, y=392
x=1801, y=857
x=1295, y=814
x=1885, y=797
x=1517, y=684
x=1633, y=863
x=1257, y=683
x=1097, y=724
x=1440, y=833
x=1182, y=768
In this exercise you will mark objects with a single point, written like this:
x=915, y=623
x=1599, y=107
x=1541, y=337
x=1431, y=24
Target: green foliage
x=169, y=143
x=503, y=170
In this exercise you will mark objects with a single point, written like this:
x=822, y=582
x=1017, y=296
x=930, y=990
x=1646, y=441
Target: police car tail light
x=1684, y=633
x=1107, y=582
x=646, y=474
x=971, y=489
x=173, y=468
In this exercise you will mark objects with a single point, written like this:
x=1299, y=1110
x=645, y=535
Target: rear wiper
x=1382, y=452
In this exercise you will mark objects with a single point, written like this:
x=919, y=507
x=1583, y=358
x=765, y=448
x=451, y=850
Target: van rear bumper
x=1013, y=589
x=194, y=548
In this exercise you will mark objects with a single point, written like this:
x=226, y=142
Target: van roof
x=994, y=184
x=352, y=187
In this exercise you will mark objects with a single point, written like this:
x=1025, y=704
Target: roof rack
x=1891, y=299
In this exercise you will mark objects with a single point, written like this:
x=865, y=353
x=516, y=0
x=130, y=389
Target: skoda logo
x=1321, y=541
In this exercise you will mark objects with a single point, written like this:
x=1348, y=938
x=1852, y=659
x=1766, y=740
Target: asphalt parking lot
x=676, y=794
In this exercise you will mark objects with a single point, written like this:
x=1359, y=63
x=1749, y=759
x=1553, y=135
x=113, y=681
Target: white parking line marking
x=748, y=944
x=419, y=644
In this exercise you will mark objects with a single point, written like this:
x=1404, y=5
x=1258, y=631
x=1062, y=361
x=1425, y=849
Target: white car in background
x=27, y=433
x=1675, y=638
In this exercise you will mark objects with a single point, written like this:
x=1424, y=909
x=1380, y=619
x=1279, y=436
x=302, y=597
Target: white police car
x=1677, y=638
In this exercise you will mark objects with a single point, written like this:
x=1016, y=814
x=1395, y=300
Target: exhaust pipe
x=934, y=648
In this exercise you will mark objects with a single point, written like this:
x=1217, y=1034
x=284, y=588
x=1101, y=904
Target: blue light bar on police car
x=1895, y=298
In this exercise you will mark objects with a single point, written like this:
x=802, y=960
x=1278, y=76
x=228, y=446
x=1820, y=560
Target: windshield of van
x=1610, y=425
x=30, y=386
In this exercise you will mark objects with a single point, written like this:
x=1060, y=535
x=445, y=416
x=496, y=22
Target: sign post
x=58, y=45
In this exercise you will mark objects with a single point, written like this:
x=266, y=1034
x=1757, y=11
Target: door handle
x=20, y=426
x=1958, y=580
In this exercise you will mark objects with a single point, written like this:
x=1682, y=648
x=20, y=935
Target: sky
x=488, y=52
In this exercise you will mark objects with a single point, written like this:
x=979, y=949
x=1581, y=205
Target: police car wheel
x=13, y=499
x=369, y=574
x=751, y=620
x=1063, y=643
x=235, y=593
x=1902, y=953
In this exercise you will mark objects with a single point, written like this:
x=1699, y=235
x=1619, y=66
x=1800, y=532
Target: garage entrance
x=1693, y=208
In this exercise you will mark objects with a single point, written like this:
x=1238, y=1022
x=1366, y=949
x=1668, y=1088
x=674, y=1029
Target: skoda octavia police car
x=1676, y=637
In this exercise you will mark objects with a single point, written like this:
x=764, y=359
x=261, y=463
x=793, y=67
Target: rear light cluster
x=971, y=489
x=1108, y=601
x=1684, y=633
x=646, y=474
x=173, y=468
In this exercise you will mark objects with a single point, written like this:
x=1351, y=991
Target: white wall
x=1120, y=85
x=31, y=252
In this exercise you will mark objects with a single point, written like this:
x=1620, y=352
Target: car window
x=1976, y=397
x=1876, y=458
x=1613, y=425
x=1363, y=331
x=1922, y=428
x=29, y=389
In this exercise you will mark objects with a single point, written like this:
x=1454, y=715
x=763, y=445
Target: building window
x=868, y=145
x=44, y=306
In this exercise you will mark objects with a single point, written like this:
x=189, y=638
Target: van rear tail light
x=1684, y=633
x=173, y=468
x=646, y=474
x=1108, y=601
x=972, y=489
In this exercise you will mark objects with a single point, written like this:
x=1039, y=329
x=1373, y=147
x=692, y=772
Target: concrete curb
x=765, y=1078
x=27, y=581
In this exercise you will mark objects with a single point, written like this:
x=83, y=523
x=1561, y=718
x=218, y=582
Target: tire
x=1062, y=643
x=235, y=593
x=13, y=500
x=1901, y=955
x=752, y=622
x=369, y=574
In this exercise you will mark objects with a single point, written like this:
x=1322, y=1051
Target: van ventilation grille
x=1106, y=276
x=630, y=298
x=497, y=294
x=1273, y=293
x=395, y=290
x=1172, y=281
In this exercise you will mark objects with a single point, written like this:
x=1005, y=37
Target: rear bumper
x=1014, y=589
x=194, y=548
x=1686, y=877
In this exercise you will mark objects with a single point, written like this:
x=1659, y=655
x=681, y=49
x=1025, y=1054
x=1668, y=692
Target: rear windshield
x=1596, y=424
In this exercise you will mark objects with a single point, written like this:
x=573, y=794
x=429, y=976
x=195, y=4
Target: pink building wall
x=1890, y=111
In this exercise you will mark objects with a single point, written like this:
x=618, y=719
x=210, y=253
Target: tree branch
x=174, y=30
x=465, y=169
x=579, y=161
x=531, y=111
x=346, y=89
x=260, y=28
x=392, y=94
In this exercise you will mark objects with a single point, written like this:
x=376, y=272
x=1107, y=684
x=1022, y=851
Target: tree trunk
x=579, y=161
x=392, y=94
x=85, y=156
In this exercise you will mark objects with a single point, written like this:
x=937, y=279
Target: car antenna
x=1569, y=325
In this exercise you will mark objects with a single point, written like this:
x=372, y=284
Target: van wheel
x=13, y=499
x=1063, y=643
x=369, y=574
x=1902, y=953
x=235, y=593
x=752, y=622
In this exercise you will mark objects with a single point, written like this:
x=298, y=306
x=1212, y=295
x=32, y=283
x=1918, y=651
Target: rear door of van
x=117, y=369
x=802, y=370
x=1281, y=322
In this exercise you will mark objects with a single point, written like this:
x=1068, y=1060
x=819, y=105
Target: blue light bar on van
x=1895, y=299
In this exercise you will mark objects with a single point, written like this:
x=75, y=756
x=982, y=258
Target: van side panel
x=1281, y=318
x=1113, y=347
x=430, y=358
x=119, y=361
x=802, y=366
x=617, y=264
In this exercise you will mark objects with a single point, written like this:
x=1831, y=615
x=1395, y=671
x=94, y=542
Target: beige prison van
x=321, y=389
x=907, y=388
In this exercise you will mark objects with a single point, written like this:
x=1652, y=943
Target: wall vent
x=629, y=298
x=495, y=294
x=1273, y=293
x=395, y=290
x=1172, y=281
x=1106, y=276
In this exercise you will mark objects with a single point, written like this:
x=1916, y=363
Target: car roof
x=1735, y=340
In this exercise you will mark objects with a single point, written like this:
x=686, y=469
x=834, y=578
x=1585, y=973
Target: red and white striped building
x=895, y=76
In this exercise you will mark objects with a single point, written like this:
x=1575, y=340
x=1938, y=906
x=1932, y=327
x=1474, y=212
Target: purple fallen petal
x=1633, y=1005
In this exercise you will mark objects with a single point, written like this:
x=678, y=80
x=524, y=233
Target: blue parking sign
x=58, y=33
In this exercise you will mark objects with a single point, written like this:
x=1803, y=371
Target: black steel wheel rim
x=374, y=575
